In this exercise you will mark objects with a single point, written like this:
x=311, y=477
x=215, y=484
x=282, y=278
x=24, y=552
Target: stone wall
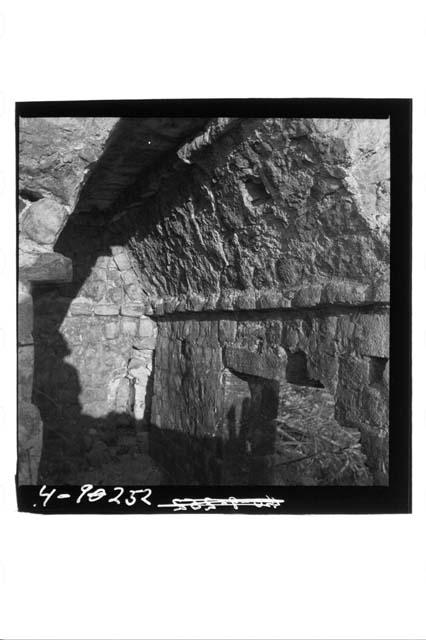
x=274, y=213
x=268, y=214
x=196, y=361
x=94, y=358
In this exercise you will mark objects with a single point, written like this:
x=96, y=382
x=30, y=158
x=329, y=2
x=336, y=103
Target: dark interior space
x=297, y=371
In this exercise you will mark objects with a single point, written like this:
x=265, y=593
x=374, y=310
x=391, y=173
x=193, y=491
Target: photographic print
x=204, y=304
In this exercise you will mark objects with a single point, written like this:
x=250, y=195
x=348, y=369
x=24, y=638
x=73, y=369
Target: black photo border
x=395, y=498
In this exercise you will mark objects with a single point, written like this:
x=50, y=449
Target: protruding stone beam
x=47, y=267
x=214, y=130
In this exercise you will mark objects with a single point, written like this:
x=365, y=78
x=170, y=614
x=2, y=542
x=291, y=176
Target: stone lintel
x=47, y=267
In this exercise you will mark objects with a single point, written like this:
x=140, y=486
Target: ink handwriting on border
x=130, y=497
x=210, y=504
x=90, y=494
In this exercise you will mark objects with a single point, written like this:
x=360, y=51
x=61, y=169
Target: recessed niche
x=377, y=369
x=297, y=371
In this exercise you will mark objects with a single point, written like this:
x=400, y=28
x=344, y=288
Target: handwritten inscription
x=120, y=495
x=129, y=497
x=211, y=504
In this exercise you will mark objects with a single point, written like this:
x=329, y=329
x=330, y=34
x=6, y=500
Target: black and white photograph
x=212, y=328
x=204, y=301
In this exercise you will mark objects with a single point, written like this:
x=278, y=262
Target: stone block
x=103, y=262
x=134, y=293
x=106, y=310
x=227, y=331
x=111, y=330
x=114, y=295
x=114, y=277
x=135, y=363
x=81, y=307
x=43, y=221
x=354, y=373
x=195, y=302
x=143, y=354
x=146, y=327
x=225, y=301
x=344, y=293
x=273, y=332
x=181, y=304
x=148, y=342
x=129, y=326
x=372, y=335
x=211, y=302
x=290, y=336
x=308, y=296
x=245, y=300
x=380, y=290
x=99, y=273
x=45, y=267
x=122, y=397
x=129, y=277
x=94, y=288
x=325, y=368
x=270, y=300
x=375, y=444
x=374, y=407
x=158, y=306
x=170, y=304
x=268, y=365
x=132, y=310
x=116, y=250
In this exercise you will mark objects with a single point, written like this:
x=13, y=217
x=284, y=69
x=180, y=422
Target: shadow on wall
x=233, y=457
x=79, y=447
x=257, y=427
x=74, y=358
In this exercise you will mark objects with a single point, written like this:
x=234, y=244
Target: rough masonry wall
x=275, y=213
x=346, y=351
x=94, y=353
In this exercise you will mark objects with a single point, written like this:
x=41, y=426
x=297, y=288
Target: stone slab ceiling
x=135, y=145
